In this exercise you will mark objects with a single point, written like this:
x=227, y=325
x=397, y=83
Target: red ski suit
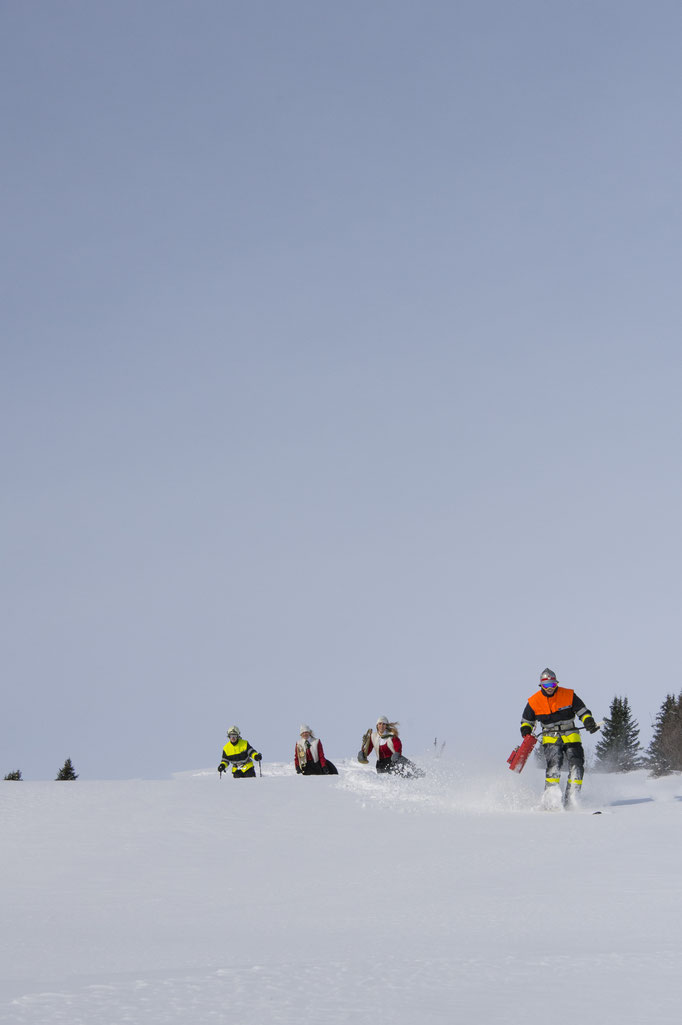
x=314, y=753
x=385, y=746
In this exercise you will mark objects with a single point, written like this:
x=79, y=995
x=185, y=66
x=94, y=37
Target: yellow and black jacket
x=556, y=714
x=238, y=756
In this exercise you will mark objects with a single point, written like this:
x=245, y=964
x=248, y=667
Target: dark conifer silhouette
x=619, y=749
x=14, y=775
x=665, y=750
x=66, y=771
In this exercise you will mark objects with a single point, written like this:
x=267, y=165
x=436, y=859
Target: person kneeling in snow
x=387, y=746
x=555, y=708
x=309, y=757
x=238, y=755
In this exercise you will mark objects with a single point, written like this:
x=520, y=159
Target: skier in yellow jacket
x=555, y=708
x=239, y=755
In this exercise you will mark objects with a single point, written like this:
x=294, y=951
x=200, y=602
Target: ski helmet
x=304, y=729
x=548, y=680
x=234, y=731
x=382, y=719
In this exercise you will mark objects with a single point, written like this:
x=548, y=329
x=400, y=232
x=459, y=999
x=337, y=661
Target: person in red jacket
x=387, y=746
x=555, y=708
x=309, y=756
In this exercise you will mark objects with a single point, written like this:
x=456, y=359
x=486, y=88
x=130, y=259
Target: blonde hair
x=393, y=727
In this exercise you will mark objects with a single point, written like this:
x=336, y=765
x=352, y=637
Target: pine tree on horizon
x=67, y=771
x=14, y=775
x=665, y=750
x=619, y=749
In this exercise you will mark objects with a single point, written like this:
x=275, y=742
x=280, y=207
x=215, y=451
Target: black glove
x=257, y=757
x=526, y=730
x=221, y=767
x=298, y=770
x=590, y=725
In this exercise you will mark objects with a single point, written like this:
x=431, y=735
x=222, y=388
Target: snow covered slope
x=350, y=899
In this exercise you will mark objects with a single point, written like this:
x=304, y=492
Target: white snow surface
x=356, y=898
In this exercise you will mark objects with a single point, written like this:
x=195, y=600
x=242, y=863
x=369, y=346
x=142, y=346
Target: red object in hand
x=519, y=756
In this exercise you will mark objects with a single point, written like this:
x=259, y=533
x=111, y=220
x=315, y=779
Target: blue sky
x=340, y=372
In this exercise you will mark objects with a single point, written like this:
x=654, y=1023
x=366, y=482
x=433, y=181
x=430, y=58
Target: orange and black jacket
x=556, y=714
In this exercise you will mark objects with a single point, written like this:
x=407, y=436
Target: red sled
x=520, y=755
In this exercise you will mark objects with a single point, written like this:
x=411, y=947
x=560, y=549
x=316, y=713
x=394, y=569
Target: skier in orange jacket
x=555, y=708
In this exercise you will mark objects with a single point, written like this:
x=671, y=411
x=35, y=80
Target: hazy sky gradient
x=341, y=372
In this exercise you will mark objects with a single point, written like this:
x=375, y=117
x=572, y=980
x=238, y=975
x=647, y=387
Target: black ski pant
x=244, y=773
x=559, y=756
x=400, y=767
x=315, y=769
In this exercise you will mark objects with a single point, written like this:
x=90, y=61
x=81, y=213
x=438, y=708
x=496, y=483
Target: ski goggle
x=548, y=684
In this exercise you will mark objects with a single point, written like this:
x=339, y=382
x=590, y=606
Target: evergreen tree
x=66, y=771
x=665, y=749
x=619, y=749
x=14, y=775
